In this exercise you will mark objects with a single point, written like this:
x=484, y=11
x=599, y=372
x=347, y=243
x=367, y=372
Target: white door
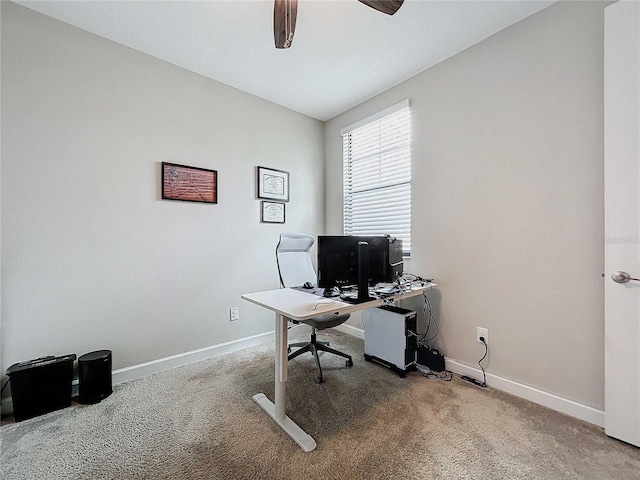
x=622, y=220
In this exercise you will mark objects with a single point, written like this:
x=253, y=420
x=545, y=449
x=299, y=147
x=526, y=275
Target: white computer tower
x=389, y=337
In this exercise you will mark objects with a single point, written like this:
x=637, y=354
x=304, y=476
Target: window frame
x=366, y=127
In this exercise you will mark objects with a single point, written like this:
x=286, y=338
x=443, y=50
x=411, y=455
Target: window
x=377, y=175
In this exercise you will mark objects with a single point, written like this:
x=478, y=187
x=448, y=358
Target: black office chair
x=295, y=269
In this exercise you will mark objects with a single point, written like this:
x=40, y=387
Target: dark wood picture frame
x=273, y=184
x=189, y=184
x=272, y=212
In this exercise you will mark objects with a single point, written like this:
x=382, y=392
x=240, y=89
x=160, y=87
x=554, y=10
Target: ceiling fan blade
x=284, y=22
x=385, y=6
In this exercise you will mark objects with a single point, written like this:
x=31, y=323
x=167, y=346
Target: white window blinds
x=377, y=175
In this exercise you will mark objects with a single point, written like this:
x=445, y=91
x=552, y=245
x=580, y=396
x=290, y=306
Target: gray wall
x=508, y=197
x=92, y=257
x=507, y=211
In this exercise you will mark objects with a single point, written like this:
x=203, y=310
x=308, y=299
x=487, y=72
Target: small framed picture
x=272, y=212
x=273, y=184
x=191, y=184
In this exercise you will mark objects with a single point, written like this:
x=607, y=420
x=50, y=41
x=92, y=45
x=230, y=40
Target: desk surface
x=299, y=305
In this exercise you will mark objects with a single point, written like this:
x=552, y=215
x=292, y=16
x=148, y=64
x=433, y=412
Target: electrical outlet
x=484, y=333
x=234, y=314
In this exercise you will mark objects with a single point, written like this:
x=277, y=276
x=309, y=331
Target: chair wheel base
x=313, y=347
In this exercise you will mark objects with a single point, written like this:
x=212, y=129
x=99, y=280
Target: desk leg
x=277, y=410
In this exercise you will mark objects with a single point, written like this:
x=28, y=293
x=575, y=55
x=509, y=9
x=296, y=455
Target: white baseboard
x=348, y=329
x=127, y=374
x=134, y=372
x=550, y=400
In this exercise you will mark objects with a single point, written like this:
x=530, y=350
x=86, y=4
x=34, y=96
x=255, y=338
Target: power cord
x=428, y=315
x=426, y=306
x=4, y=386
x=479, y=383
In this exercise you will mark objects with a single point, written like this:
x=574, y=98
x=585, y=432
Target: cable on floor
x=445, y=376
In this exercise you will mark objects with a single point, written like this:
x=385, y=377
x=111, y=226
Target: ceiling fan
x=286, y=11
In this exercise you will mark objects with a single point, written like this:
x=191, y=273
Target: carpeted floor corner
x=199, y=422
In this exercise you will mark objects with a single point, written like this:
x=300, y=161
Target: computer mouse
x=308, y=285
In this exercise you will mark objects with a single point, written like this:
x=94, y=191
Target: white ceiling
x=342, y=54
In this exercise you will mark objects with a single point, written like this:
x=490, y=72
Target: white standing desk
x=297, y=305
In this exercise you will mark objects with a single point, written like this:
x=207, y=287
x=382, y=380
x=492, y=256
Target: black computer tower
x=40, y=386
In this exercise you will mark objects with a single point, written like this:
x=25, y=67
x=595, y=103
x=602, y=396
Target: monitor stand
x=363, y=276
x=363, y=272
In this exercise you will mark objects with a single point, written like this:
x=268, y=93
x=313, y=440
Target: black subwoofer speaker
x=94, y=376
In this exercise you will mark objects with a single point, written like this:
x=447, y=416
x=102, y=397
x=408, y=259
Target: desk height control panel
x=389, y=338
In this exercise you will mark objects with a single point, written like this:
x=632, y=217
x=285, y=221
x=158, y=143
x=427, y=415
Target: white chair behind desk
x=293, y=255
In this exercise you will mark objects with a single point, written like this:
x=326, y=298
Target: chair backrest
x=294, y=259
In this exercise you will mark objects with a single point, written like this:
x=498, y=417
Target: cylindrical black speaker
x=94, y=376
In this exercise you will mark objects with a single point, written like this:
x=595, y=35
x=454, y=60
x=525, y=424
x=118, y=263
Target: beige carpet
x=199, y=422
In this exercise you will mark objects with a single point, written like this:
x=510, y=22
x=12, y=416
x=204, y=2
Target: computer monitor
x=358, y=260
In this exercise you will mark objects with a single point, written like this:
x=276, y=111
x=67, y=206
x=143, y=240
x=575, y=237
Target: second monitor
x=358, y=260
